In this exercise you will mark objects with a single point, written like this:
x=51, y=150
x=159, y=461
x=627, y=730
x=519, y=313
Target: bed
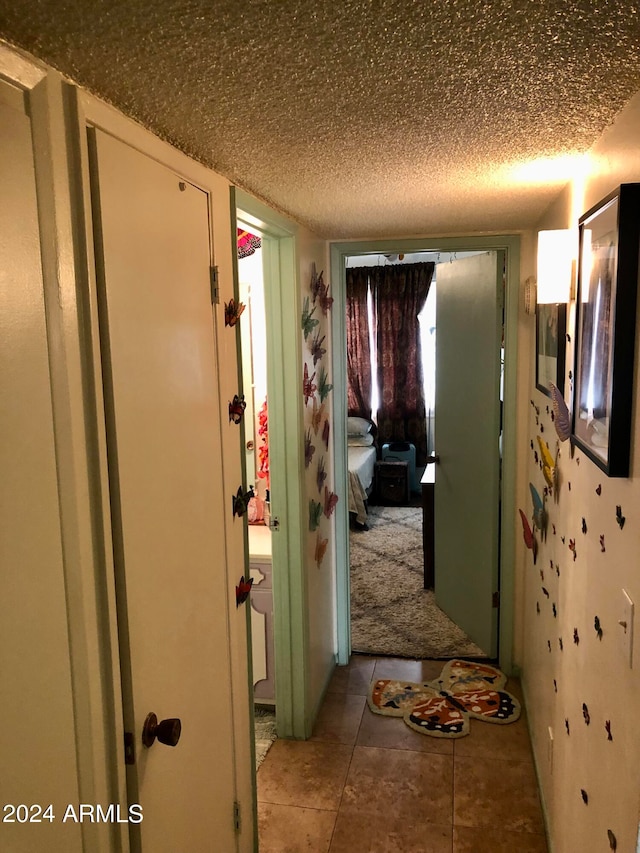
x=361, y=460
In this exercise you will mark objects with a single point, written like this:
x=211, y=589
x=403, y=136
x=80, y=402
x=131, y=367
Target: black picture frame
x=551, y=335
x=605, y=329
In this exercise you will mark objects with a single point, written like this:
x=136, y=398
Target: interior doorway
x=510, y=245
x=286, y=459
x=394, y=608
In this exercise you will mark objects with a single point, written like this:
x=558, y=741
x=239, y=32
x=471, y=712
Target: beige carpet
x=391, y=613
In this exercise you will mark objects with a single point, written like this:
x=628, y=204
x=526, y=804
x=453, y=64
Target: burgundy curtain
x=358, y=349
x=400, y=295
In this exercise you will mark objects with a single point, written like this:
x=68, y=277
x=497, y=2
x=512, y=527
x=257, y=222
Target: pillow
x=358, y=426
x=360, y=440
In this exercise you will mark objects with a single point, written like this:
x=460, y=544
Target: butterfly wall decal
x=529, y=537
x=598, y=627
x=323, y=385
x=308, y=321
x=562, y=418
x=309, y=449
x=321, y=474
x=325, y=433
x=620, y=517
x=325, y=301
x=315, y=513
x=539, y=511
x=241, y=501
x=321, y=549
x=549, y=464
x=316, y=283
x=444, y=707
x=242, y=590
x=308, y=386
x=316, y=415
x=232, y=312
x=330, y=501
x=236, y=408
x=316, y=348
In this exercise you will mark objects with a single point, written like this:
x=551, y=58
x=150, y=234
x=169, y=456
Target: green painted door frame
x=286, y=456
x=510, y=244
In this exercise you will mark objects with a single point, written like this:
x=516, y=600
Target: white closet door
x=164, y=449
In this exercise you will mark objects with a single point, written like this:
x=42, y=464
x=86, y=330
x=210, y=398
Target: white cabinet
x=260, y=565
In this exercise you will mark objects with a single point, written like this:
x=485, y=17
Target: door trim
x=510, y=244
x=286, y=455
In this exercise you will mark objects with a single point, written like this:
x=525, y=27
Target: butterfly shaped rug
x=445, y=706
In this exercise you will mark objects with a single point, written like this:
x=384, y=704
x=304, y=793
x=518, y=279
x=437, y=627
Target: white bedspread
x=361, y=461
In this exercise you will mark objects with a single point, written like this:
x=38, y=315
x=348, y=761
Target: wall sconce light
x=556, y=266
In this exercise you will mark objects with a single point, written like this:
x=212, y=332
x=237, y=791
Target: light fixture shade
x=555, y=266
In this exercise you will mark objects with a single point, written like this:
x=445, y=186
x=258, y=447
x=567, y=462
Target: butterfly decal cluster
x=585, y=521
x=444, y=707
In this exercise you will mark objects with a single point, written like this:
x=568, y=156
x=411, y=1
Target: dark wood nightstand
x=392, y=483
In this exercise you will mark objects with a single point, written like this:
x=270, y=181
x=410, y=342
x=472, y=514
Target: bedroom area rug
x=445, y=706
x=391, y=612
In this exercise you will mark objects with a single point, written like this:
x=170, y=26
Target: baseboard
x=545, y=813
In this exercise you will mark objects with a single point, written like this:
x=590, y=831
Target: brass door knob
x=166, y=731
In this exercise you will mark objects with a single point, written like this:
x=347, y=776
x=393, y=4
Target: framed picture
x=606, y=320
x=551, y=330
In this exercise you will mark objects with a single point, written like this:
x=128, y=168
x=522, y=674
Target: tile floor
x=368, y=784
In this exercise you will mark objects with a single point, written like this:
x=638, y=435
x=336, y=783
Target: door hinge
x=237, y=819
x=129, y=748
x=495, y=599
x=215, y=293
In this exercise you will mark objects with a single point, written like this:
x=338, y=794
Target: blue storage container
x=402, y=451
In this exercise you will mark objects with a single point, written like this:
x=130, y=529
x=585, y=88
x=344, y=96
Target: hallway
x=368, y=784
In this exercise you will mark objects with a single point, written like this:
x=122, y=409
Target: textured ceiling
x=359, y=118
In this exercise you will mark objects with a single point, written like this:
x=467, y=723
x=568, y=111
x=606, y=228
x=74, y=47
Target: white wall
x=593, y=671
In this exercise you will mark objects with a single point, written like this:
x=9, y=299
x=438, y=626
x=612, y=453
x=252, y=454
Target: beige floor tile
x=386, y=833
x=339, y=718
x=494, y=740
x=400, y=783
x=354, y=678
x=304, y=773
x=466, y=840
x=411, y=670
x=392, y=733
x=290, y=829
x=496, y=793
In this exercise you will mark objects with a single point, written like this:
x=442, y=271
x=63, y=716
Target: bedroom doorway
x=510, y=245
x=393, y=607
